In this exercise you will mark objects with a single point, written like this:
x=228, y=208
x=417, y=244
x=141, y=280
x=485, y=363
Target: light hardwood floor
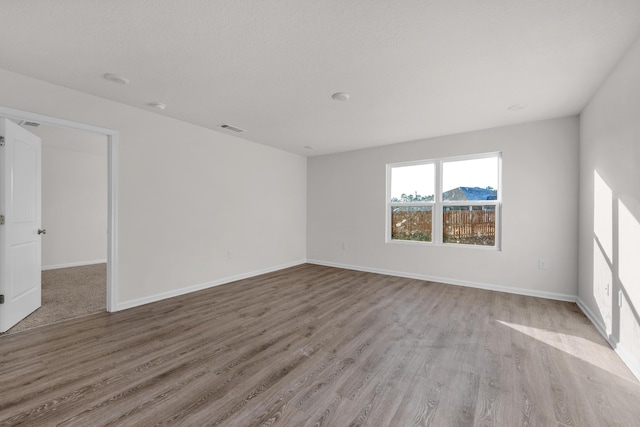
x=314, y=346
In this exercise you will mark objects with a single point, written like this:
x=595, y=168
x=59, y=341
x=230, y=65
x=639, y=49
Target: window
x=445, y=201
x=412, y=202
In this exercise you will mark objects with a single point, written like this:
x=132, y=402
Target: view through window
x=445, y=201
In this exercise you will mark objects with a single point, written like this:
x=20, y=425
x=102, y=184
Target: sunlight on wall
x=603, y=249
x=603, y=214
x=629, y=273
x=602, y=276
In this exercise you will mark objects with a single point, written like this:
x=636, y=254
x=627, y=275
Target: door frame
x=112, y=188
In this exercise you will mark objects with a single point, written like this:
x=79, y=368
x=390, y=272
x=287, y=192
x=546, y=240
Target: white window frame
x=438, y=204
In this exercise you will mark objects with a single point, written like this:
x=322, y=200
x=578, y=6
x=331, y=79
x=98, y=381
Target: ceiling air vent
x=26, y=123
x=233, y=128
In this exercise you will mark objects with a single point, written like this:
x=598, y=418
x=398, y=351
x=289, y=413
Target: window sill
x=441, y=245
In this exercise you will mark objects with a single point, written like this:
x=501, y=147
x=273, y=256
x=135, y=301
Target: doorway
x=111, y=154
x=74, y=215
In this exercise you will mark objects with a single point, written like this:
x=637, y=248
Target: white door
x=20, y=244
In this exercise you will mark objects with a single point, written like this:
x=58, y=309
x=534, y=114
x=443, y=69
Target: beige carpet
x=68, y=293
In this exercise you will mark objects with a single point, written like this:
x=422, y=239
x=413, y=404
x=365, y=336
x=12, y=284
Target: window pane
x=411, y=223
x=475, y=179
x=469, y=225
x=412, y=183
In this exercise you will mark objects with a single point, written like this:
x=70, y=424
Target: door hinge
x=1, y=141
x=1, y=219
x=1, y=299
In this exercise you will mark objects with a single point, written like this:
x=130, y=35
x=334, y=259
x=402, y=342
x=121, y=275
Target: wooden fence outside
x=410, y=224
x=473, y=227
x=459, y=226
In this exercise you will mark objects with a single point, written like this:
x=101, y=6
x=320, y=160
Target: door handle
x=42, y=231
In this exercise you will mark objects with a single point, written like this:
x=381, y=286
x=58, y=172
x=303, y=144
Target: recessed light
x=115, y=78
x=516, y=107
x=158, y=105
x=309, y=147
x=341, y=96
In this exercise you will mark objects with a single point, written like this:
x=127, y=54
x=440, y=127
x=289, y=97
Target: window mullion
x=437, y=214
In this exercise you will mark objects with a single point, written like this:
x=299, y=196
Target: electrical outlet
x=620, y=298
x=229, y=254
x=345, y=246
x=542, y=264
x=606, y=289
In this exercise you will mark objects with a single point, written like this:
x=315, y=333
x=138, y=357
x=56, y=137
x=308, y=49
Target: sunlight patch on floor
x=597, y=354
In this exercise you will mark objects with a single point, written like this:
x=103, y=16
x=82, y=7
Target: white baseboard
x=182, y=291
x=632, y=363
x=596, y=322
x=628, y=359
x=73, y=264
x=449, y=281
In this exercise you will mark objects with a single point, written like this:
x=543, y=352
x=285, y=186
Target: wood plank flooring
x=319, y=346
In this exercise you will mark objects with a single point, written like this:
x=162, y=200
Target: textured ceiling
x=414, y=69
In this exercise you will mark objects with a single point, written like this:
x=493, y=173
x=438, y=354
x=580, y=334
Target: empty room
x=334, y=213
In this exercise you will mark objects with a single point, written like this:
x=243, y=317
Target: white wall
x=74, y=196
x=610, y=208
x=186, y=195
x=346, y=194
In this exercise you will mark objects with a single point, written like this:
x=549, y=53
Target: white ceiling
x=414, y=68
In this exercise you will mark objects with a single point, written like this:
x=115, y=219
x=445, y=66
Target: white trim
x=498, y=235
x=627, y=358
x=443, y=245
x=53, y=121
x=596, y=322
x=449, y=281
x=193, y=288
x=73, y=264
x=112, y=223
x=112, y=191
x=632, y=363
x=438, y=205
